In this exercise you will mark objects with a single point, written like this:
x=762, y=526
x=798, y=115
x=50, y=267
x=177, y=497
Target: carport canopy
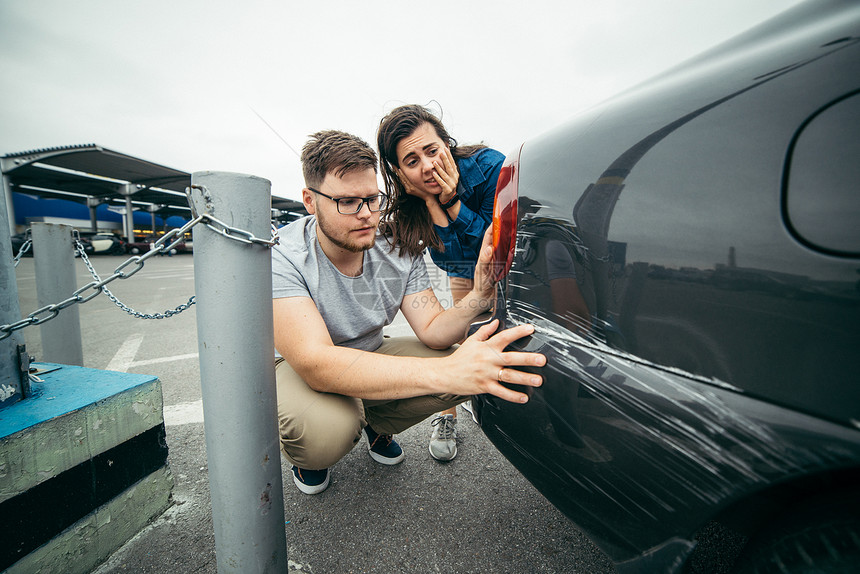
x=92, y=174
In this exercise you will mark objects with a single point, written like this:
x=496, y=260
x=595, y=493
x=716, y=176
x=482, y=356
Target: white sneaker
x=443, y=442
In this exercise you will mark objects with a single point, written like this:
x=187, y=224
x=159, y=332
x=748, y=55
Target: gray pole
x=12, y=383
x=93, y=203
x=235, y=337
x=9, y=204
x=129, y=220
x=54, y=262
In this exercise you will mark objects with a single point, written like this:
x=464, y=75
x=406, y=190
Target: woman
x=440, y=197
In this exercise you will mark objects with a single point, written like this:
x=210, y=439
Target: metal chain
x=237, y=234
x=98, y=286
x=220, y=227
x=24, y=247
x=112, y=297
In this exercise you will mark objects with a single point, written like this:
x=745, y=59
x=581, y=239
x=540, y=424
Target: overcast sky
x=193, y=84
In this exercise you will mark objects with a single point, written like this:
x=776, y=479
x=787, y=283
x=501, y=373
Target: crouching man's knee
x=324, y=433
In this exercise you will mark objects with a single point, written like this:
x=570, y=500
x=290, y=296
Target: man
x=336, y=284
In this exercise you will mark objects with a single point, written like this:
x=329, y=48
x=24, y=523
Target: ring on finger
x=500, y=374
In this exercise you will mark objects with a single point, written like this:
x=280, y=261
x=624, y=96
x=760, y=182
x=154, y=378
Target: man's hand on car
x=480, y=365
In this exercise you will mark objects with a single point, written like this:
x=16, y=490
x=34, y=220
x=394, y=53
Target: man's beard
x=343, y=244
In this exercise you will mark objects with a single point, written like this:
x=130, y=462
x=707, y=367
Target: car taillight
x=505, y=217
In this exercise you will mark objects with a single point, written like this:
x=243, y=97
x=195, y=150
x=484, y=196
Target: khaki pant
x=318, y=429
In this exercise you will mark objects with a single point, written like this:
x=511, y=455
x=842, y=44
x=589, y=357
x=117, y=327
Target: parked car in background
x=102, y=243
x=24, y=241
x=19, y=240
x=689, y=253
x=144, y=245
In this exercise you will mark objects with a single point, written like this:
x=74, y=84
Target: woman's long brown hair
x=406, y=220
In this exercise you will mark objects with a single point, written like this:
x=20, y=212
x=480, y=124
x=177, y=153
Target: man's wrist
x=478, y=302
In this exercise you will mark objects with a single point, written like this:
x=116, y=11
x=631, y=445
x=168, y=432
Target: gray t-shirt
x=355, y=309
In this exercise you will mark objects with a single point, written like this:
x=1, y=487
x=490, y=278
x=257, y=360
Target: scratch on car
x=687, y=426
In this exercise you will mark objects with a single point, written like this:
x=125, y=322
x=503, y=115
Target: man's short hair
x=334, y=152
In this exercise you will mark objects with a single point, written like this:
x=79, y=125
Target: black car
x=20, y=240
x=102, y=243
x=689, y=255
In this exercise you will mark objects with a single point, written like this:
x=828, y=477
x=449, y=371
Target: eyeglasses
x=352, y=205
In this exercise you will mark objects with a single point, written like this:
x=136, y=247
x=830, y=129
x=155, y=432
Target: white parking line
x=123, y=358
x=160, y=276
x=164, y=359
x=183, y=413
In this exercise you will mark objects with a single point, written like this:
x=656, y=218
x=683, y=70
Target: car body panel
x=701, y=347
x=639, y=455
x=661, y=204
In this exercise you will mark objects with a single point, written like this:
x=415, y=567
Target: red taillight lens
x=505, y=217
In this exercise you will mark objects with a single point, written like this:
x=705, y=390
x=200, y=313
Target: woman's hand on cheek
x=446, y=175
x=431, y=201
x=412, y=190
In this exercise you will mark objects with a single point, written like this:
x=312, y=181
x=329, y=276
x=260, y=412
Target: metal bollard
x=13, y=381
x=54, y=263
x=235, y=334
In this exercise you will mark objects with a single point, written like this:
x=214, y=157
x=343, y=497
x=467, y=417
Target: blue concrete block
x=68, y=452
x=65, y=389
x=74, y=414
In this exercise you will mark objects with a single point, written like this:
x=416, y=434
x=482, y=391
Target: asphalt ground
x=475, y=514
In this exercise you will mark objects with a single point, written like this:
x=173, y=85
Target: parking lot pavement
x=473, y=514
